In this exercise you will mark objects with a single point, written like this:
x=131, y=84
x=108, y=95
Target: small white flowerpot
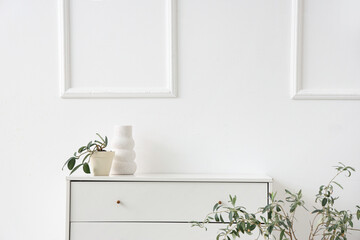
x=100, y=163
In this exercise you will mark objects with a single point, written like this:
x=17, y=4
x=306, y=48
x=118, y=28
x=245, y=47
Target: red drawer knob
x=118, y=201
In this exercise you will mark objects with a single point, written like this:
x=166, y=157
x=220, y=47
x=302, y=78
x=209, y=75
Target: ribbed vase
x=123, y=146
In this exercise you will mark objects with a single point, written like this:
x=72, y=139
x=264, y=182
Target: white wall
x=233, y=113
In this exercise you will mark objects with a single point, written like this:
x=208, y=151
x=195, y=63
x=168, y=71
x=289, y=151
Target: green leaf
x=86, y=168
x=270, y=229
x=71, y=164
x=68, y=161
x=241, y=228
x=87, y=155
x=338, y=184
x=100, y=137
x=221, y=218
x=272, y=196
x=266, y=208
x=89, y=145
x=288, y=192
x=215, y=207
x=358, y=214
x=293, y=208
x=289, y=223
x=351, y=168
x=324, y=201
x=81, y=149
x=233, y=201
x=282, y=234
x=76, y=168
x=317, y=211
x=242, y=224
x=252, y=227
x=106, y=141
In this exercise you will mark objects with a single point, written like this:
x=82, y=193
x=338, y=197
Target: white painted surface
x=141, y=231
x=158, y=201
x=114, y=208
x=117, y=48
x=233, y=113
x=163, y=177
x=325, y=49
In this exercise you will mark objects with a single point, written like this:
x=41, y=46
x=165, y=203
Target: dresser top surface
x=144, y=177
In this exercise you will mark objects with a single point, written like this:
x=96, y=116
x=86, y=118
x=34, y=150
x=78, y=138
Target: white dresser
x=154, y=206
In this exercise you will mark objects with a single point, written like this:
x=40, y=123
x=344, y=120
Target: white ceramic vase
x=123, y=145
x=100, y=163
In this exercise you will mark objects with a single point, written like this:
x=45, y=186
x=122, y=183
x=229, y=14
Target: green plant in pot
x=94, y=156
x=277, y=219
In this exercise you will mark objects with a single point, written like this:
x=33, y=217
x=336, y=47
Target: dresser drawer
x=157, y=201
x=144, y=231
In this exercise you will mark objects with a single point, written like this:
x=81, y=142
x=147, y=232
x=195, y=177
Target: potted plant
x=275, y=221
x=94, y=153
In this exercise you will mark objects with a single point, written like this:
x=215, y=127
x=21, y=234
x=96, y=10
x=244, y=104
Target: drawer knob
x=118, y=201
x=220, y=202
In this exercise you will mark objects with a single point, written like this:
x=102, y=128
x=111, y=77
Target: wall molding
x=65, y=66
x=297, y=91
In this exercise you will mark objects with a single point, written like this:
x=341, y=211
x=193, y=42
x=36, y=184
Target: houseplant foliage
x=276, y=220
x=83, y=154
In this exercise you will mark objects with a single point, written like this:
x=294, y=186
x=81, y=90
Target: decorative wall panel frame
x=297, y=91
x=66, y=91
